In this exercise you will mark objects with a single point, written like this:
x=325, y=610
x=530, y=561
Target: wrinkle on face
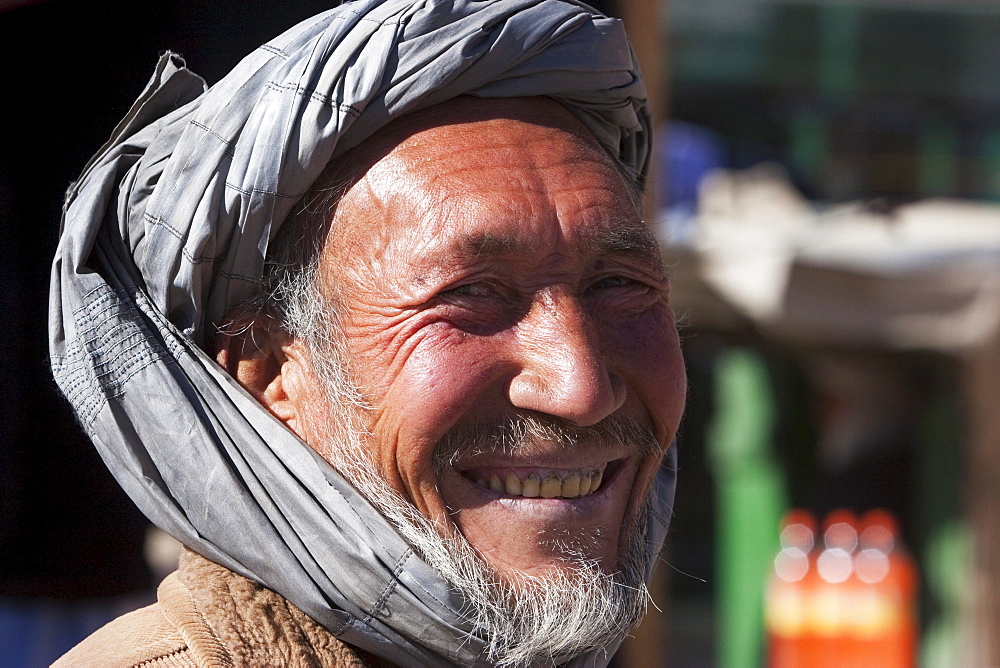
x=495, y=265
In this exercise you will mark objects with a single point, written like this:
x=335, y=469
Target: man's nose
x=562, y=369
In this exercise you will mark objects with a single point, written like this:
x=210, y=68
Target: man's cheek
x=441, y=384
x=651, y=358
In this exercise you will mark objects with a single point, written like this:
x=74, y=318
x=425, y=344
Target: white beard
x=524, y=619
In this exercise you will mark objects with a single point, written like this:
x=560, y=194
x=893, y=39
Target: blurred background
x=827, y=196
x=827, y=193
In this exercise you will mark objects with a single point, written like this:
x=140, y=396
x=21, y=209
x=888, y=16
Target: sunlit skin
x=489, y=264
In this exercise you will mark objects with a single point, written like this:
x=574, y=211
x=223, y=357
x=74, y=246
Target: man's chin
x=567, y=604
x=573, y=596
x=544, y=579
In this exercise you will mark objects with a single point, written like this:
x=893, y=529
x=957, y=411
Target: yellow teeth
x=495, y=484
x=571, y=486
x=513, y=485
x=530, y=487
x=551, y=487
x=574, y=485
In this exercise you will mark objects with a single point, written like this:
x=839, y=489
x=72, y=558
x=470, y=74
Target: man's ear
x=266, y=361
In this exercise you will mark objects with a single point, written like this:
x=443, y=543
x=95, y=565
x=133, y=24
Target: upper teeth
x=567, y=485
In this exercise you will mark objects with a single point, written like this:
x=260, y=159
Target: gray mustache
x=521, y=432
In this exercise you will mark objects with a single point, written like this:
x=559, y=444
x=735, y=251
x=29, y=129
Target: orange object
x=884, y=565
x=846, y=603
x=833, y=593
x=785, y=610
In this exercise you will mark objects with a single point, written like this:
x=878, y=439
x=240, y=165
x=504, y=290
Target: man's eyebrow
x=630, y=239
x=477, y=245
x=626, y=239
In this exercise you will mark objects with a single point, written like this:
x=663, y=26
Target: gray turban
x=169, y=226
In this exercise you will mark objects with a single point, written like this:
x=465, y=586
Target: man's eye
x=612, y=282
x=479, y=289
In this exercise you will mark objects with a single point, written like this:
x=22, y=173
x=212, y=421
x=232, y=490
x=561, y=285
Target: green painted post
x=751, y=501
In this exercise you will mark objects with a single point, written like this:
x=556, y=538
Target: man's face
x=492, y=268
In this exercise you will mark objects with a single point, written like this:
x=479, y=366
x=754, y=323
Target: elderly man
x=375, y=329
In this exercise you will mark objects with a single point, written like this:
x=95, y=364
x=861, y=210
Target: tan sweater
x=207, y=615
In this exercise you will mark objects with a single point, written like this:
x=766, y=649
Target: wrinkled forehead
x=454, y=126
x=498, y=178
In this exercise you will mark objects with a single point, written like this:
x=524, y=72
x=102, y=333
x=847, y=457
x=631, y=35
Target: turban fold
x=169, y=227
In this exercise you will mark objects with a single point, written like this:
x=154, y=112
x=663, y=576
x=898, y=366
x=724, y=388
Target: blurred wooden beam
x=982, y=395
x=646, y=24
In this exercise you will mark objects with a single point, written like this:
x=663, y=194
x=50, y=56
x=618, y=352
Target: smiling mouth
x=541, y=483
